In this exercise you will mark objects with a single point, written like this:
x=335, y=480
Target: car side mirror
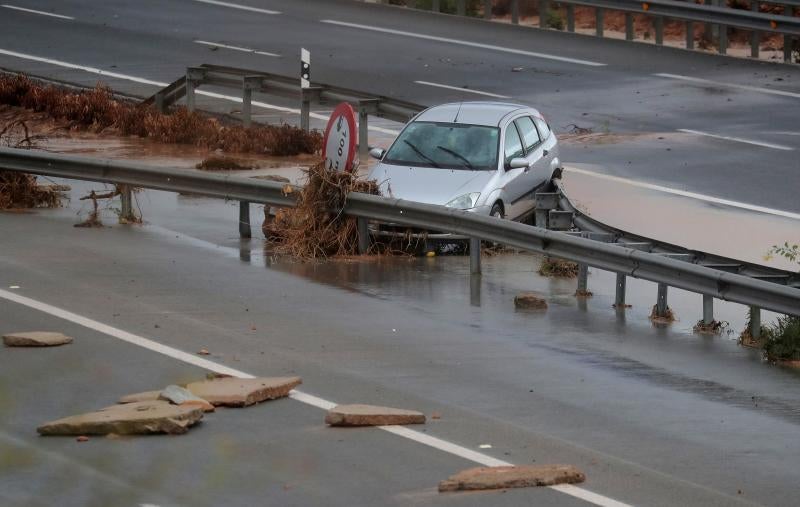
x=518, y=163
x=377, y=153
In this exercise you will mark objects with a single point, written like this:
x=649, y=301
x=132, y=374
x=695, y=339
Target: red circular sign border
x=345, y=110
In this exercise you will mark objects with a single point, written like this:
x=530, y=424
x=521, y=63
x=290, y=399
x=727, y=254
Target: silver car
x=484, y=157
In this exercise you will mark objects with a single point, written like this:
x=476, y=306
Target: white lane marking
x=309, y=399
x=238, y=6
x=738, y=140
x=60, y=16
x=465, y=43
x=92, y=70
x=467, y=90
x=126, y=77
x=770, y=91
x=237, y=48
x=692, y=195
x=784, y=133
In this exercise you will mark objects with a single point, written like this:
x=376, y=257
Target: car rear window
x=446, y=146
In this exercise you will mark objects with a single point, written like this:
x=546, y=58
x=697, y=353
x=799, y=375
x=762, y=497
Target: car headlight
x=466, y=201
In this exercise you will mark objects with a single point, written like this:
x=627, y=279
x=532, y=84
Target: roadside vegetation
x=99, y=110
x=781, y=339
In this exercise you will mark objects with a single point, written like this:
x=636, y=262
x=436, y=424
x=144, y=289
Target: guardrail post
x=545, y=201
x=708, y=309
x=570, y=18
x=659, y=25
x=515, y=11
x=363, y=135
x=363, y=235
x=788, y=40
x=599, y=21
x=544, y=7
x=619, y=297
x=435, y=7
x=189, y=93
x=474, y=256
x=244, y=219
x=249, y=83
x=126, y=204
x=755, y=35
x=461, y=7
x=629, y=33
x=689, y=35
x=661, y=302
x=247, y=98
x=487, y=9
x=159, y=102
x=755, y=322
x=723, y=39
x=305, y=110
x=194, y=77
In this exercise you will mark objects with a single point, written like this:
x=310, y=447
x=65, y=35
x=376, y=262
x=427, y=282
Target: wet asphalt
x=654, y=415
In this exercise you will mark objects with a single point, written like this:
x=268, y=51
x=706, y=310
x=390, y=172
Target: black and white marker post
x=305, y=89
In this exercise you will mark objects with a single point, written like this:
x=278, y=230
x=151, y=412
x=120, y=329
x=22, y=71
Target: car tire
x=497, y=210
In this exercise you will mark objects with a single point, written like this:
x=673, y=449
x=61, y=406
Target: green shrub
x=554, y=19
x=783, y=339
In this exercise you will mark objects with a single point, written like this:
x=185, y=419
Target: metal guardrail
x=714, y=14
x=624, y=261
x=250, y=81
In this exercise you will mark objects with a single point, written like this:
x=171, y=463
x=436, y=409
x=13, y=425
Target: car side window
x=530, y=137
x=544, y=128
x=513, y=144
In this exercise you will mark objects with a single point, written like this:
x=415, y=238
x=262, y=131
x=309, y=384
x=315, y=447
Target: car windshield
x=446, y=146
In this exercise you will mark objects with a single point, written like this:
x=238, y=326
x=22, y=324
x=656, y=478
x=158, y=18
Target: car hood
x=427, y=184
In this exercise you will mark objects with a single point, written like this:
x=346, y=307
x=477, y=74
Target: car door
x=513, y=190
x=536, y=172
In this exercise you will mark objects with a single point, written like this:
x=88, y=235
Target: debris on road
x=36, y=339
x=529, y=301
x=667, y=318
x=138, y=418
x=82, y=438
x=136, y=397
x=225, y=163
x=239, y=392
x=558, y=268
x=512, y=477
x=203, y=352
x=316, y=227
x=181, y=396
x=371, y=415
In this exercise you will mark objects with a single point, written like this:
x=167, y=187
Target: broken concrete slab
x=144, y=396
x=512, y=477
x=530, y=301
x=36, y=339
x=240, y=392
x=137, y=418
x=371, y=415
x=181, y=396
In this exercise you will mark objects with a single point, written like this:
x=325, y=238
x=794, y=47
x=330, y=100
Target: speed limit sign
x=340, y=139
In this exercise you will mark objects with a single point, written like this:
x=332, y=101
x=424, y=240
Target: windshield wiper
x=419, y=152
x=457, y=155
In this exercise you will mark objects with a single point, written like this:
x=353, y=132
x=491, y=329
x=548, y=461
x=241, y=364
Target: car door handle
x=545, y=153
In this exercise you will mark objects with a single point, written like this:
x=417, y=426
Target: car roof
x=485, y=113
